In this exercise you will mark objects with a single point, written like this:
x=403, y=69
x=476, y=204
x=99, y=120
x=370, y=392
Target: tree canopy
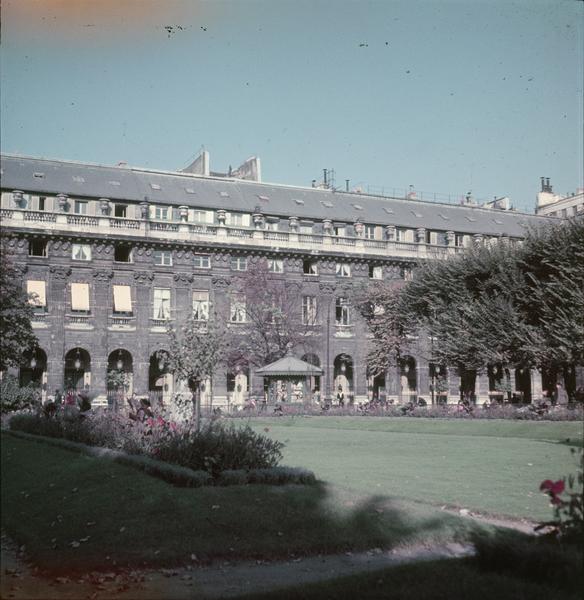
x=273, y=319
x=508, y=304
x=16, y=313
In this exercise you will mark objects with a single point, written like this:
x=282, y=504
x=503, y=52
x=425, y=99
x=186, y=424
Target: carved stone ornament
x=220, y=257
x=183, y=212
x=390, y=232
x=144, y=210
x=18, y=198
x=63, y=202
x=221, y=216
x=20, y=269
x=103, y=274
x=294, y=224
x=184, y=277
x=59, y=271
x=327, y=287
x=104, y=205
x=294, y=286
x=221, y=282
x=103, y=249
x=143, y=277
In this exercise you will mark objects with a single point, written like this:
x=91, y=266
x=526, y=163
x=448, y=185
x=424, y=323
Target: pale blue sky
x=445, y=95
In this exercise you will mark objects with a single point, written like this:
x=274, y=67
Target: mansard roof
x=122, y=183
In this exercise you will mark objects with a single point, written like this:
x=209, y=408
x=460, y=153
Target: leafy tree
x=16, y=313
x=195, y=351
x=273, y=324
x=377, y=304
x=508, y=304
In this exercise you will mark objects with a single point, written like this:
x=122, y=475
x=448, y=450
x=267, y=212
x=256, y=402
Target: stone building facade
x=113, y=254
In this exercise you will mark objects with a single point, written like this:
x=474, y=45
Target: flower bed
x=222, y=454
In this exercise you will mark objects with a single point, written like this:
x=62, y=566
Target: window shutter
x=122, y=298
x=80, y=296
x=38, y=288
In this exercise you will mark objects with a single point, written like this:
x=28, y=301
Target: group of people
x=72, y=400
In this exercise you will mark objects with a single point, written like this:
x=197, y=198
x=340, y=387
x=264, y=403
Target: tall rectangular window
x=121, y=210
x=81, y=252
x=80, y=297
x=339, y=230
x=163, y=258
x=272, y=226
x=42, y=202
x=235, y=219
x=342, y=314
x=459, y=240
x=201, y=306
x=343, y=270
x=80, y=207
x=37, y=295
x=238, y=263
x=202, y=216
x=202, y=261
x=275, y=266
x=370, y=232
x=161, y=304
x=122, y=299
x=309, y=311
x=237, y=313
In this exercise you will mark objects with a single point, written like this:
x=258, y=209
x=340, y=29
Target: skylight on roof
x=357, y=206
x=78, y=179
x=298, y=201
x=38, y=175
x=498, y=221
x=155, y=186
x=327, y=203
x=264, y=198
x=190, y=191
x=444, y=217
x=224, y=194
x=388, y=210
x=114, y=183
x=416, y=214
x=471, y=219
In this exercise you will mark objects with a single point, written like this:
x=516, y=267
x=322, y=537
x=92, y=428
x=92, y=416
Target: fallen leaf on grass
x=75, y=544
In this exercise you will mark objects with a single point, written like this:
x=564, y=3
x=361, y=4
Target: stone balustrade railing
x=50, y=222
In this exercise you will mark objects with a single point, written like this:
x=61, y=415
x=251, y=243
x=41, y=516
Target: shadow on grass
x=75, y=513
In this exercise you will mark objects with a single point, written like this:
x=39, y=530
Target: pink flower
x=546, y=485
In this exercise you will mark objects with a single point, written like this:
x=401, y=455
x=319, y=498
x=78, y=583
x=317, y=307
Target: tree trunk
x=196, y=400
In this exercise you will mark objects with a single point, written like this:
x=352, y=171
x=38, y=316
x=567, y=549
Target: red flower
x=546, y=485
x=558, y=487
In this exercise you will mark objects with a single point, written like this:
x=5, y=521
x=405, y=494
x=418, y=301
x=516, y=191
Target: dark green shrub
x=233, y=477
x=219, y=447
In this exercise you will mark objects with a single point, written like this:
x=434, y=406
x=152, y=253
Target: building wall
x=31, y=216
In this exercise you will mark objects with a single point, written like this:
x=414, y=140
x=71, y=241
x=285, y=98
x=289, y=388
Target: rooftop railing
x=180, y=231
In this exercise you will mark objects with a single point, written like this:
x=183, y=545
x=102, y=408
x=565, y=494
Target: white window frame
x=342, y=312
x=309, y=310
x=343, y=270
x=370, y=232
x=238, y=263
x=275, y=265
x=377, y=272
x=165, y=256
x=201, y=305
x=81, y=252
x=204, y=261
x=161, y=299
x=80, y=207
x=238, y=309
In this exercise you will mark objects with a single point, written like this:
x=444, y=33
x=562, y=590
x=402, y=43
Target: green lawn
x=493, y=467
x=79, y=513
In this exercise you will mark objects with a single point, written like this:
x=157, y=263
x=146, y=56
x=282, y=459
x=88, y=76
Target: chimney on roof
x=346, y=185
x=324, y=178
x=547, y=185
x=314, y=183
